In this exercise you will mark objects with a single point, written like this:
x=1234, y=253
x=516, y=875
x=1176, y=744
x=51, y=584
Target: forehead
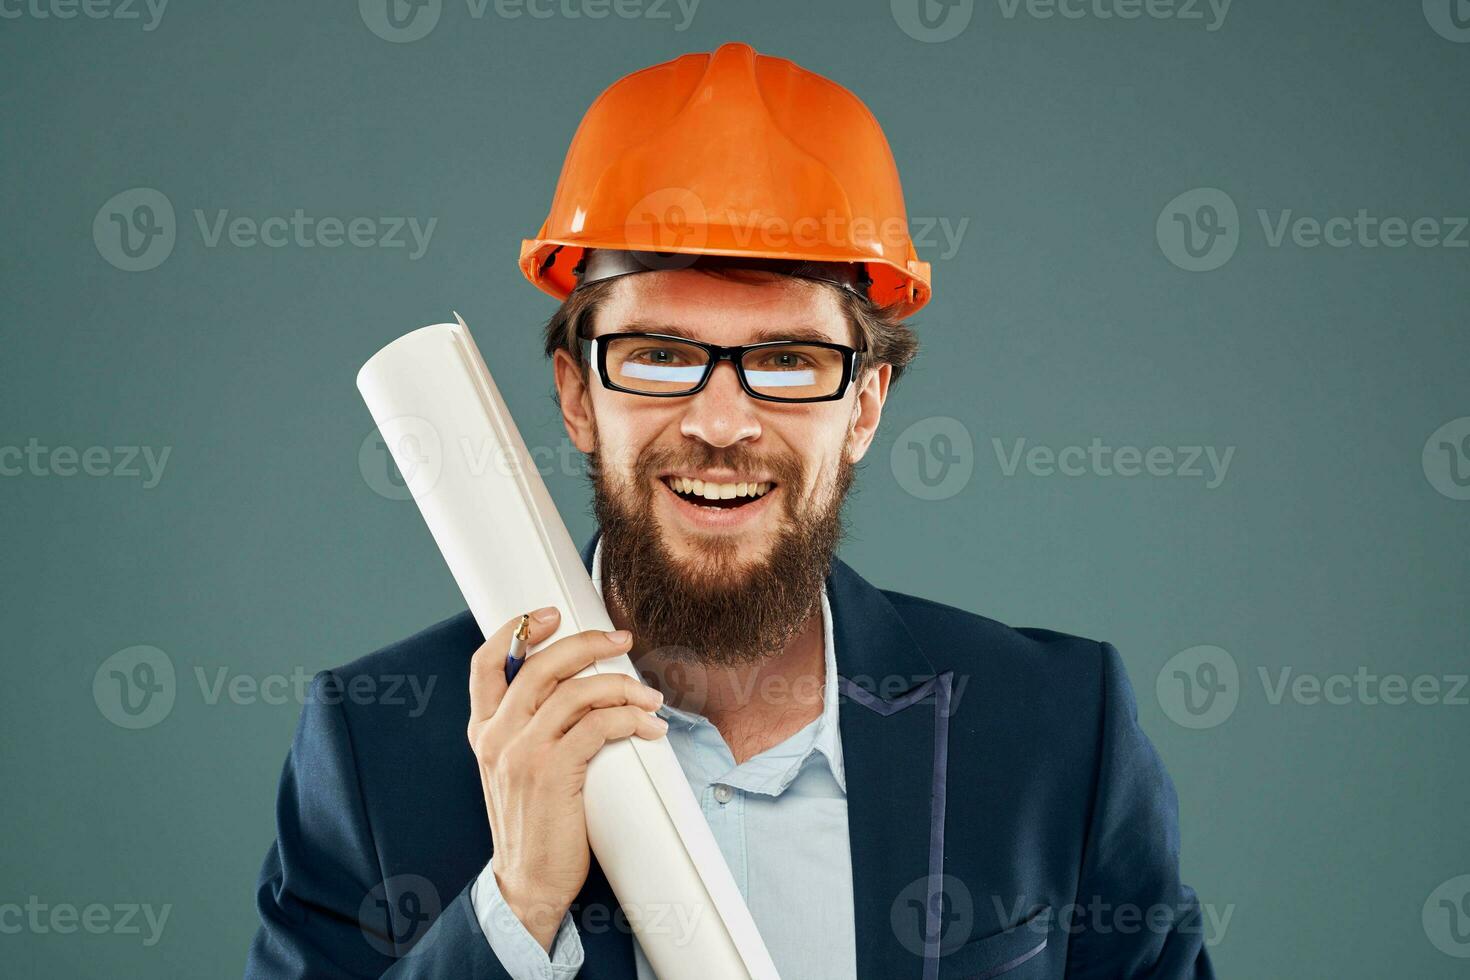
x=723, y=311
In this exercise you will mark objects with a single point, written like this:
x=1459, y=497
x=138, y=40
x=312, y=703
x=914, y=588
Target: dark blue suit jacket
x=1006, y=814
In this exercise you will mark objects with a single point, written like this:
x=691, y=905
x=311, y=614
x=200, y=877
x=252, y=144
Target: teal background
x=1320, y=830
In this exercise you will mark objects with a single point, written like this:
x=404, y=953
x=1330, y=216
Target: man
x=901, y=788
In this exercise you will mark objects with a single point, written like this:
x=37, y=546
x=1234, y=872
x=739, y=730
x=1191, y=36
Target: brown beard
x=715, y=610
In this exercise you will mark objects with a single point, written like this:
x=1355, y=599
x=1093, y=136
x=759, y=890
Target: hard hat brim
x=550, y=263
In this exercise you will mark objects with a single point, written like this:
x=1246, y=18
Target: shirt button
x=723, y=793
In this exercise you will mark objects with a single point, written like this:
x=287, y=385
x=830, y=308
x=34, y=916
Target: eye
x=658, y=355
x=785, y=360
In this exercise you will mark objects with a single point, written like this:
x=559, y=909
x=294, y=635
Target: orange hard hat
x=731, y=153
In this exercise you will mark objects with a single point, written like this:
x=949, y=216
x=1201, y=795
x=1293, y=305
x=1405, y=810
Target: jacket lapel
x=893, y=716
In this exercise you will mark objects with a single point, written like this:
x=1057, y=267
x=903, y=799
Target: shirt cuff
x=514, y=946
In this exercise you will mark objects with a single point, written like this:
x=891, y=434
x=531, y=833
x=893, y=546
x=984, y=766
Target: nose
x=721, y=414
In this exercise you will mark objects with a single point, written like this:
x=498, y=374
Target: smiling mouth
x=721, y=496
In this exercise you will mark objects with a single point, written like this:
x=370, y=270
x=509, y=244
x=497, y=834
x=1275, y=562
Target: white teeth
x=719, y=491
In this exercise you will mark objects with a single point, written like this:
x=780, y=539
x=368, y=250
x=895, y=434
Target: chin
x=716, y=559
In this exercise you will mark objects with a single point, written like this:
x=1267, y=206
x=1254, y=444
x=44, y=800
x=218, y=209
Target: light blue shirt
x=780, y=819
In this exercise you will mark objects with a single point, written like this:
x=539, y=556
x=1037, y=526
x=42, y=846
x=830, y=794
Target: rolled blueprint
x=465, y=464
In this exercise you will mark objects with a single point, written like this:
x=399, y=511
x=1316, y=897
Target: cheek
x=819, y=444
x=623, y=433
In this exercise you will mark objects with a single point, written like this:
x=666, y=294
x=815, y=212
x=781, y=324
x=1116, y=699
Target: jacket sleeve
x=328, y=909
x=1133, y=917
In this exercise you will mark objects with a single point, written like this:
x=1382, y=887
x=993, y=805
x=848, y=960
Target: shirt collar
x=823, y=734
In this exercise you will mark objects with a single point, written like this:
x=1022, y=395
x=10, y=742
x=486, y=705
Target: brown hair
x=888, y=339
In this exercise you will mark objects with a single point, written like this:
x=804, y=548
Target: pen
x=517, y=655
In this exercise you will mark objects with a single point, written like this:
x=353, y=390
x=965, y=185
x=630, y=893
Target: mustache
x=782, y=469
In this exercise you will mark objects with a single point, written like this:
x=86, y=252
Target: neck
x=754, y=706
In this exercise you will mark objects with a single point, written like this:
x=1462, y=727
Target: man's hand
x=533, y=740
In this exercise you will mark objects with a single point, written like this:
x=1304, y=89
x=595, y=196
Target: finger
x=602, y=725
x=487, y=666
x=561, y=660
x=572, y=699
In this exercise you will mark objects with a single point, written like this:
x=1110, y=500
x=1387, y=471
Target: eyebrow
x=798, y=333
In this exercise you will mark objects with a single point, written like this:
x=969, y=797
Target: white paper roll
x=465, y=463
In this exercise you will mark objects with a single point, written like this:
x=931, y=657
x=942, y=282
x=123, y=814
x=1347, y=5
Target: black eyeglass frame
x=851, y=356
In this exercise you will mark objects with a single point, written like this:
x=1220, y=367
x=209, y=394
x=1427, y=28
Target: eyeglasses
x=664, y=366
